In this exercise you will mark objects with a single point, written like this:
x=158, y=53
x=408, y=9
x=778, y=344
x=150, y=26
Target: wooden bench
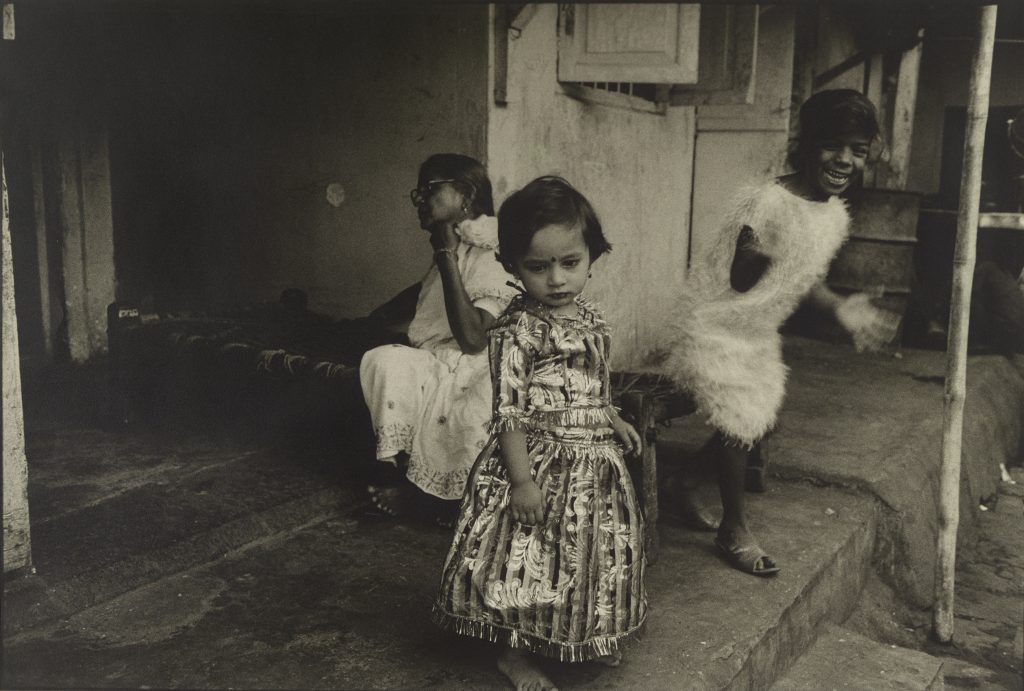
x=649, y=400
x=261, y=357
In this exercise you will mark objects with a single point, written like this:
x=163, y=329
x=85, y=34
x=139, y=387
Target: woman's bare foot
x=445, y=511
x=392, y=501
x=523, y=672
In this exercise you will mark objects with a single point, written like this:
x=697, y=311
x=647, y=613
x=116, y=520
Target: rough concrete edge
x=897, y=561
x=63, y=599
x=838, y=631
x=834, y=589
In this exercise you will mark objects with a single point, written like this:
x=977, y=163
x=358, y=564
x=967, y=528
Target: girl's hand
x=870, y=328
x=527, y=503
x=628, y=435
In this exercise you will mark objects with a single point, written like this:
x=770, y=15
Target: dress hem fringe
x=584, y=651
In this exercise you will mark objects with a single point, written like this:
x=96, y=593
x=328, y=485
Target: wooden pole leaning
x=959, y=320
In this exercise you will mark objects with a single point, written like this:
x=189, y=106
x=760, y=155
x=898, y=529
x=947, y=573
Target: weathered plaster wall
x=836, y=42
x=225, y=130
x=261, y=113
x=944, y=78
x=635, y=168
x=87, y=235
x=738, y=144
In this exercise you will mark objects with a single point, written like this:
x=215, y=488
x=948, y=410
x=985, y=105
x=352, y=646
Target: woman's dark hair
x=470, y=177
x=832, y=114
x=546, y=201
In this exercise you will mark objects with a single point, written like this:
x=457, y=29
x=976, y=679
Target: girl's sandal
x=747, y=558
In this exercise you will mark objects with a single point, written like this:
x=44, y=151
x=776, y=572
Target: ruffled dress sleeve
x=761, y=208
x=486, y=281
x=483, y=276
x=512, y=351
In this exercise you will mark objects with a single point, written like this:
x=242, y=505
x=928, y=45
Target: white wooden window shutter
x=728, y=58
x=637, y=43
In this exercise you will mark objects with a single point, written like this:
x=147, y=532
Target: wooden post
x=959, y=319
x=17, y=546
x=642, y=407
x=894, y=174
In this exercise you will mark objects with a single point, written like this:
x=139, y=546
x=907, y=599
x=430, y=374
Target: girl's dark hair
x=546, y=201
x=829, y=115
x=470, y=177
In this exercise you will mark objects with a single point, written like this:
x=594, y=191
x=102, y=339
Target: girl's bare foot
x=613, y=660
x=523, y=672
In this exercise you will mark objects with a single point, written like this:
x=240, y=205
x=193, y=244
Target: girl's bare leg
x=523, y=672
x=732, y=472
x=682, y=503
x=734, y=537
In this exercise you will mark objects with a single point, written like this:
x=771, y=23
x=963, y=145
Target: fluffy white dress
x=724, y=345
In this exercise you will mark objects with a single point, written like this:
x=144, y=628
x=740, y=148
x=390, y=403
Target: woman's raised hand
x=443, y=236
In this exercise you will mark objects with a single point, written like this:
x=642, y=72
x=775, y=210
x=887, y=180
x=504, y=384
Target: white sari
x=432, y=401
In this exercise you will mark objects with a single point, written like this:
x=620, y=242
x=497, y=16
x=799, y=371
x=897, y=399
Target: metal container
x=880, y=252
x=879, y=255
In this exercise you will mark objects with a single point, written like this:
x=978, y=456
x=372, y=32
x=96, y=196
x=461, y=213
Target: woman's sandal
x=748, y=558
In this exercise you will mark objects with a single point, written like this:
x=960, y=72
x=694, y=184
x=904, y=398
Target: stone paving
x=988, y=637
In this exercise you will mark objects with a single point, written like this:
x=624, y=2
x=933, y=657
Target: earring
x=590, y=274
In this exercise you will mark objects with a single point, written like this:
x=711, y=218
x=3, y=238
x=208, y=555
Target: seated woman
x=430, y=401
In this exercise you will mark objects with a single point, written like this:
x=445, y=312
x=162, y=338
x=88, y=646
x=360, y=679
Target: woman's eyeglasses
x=418, y=194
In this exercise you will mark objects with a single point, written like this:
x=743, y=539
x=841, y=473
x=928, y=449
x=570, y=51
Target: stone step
x=345, y=603
x=842, y=659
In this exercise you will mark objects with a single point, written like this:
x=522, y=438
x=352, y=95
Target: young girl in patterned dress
x=548, y=550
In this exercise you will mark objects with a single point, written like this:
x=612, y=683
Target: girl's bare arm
x=870, y=327
x=526, y=500
x=748, y=265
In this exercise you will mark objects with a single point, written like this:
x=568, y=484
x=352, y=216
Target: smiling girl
x=548, y=551
x=773, y=251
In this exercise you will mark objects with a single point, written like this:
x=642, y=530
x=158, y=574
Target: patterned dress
x=726, y=347
x=432, y=401
x=572, y=587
